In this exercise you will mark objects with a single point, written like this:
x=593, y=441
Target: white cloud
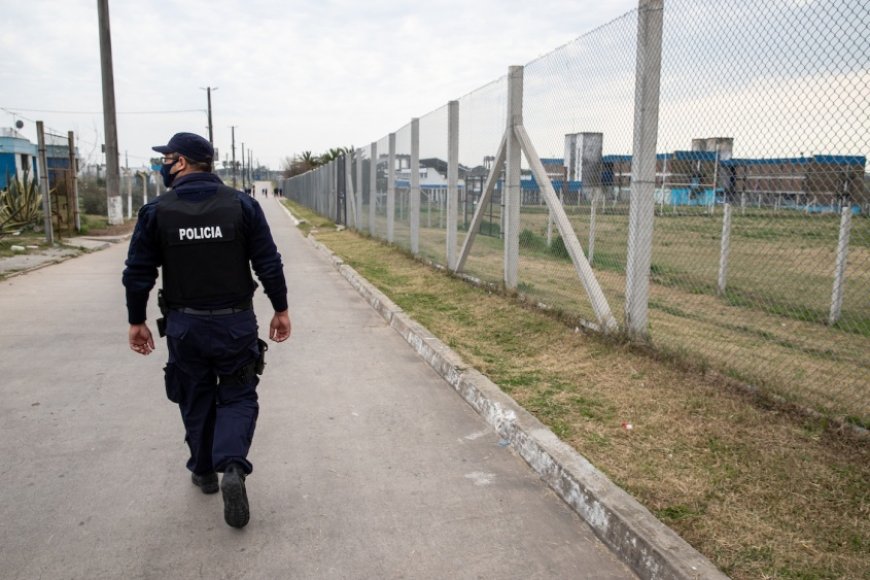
x=309, y=75
x=291, y=75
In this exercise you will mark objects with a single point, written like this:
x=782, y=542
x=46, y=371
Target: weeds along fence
x=692, y=174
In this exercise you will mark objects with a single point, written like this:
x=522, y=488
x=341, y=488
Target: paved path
x=367, y=465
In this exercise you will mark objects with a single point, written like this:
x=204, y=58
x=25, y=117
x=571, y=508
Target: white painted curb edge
x=649, y=547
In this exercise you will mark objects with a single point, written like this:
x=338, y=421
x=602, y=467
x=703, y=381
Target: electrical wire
x=11, y=111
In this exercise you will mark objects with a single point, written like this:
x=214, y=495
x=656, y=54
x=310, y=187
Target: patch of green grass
x=544, y=404
x=27, y=238
x=597, y=441
x=525, y=287
x=862, y=422
x=491, y=229
x=678, y=513
x=672, y=310
x=94, y=222
x=426, y=305
x=593, y=408
x=309, y=219
x=611, y=262
x=520, y=378
x=379, y=274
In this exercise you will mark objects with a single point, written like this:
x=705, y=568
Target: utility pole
x=113, y=177
x=210, y=133
x=129, y=179
x=74, y=180
x=233, y=128
x=43, y=184
x=243, y=165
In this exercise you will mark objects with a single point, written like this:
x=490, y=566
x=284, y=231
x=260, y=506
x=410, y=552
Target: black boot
x=236, y=511
x=208, y=483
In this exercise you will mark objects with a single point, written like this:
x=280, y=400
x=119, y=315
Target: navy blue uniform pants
x=205, y=376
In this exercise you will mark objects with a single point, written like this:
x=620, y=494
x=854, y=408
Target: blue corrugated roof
x=842, y=159
x=694, y=155
x=769, y=161
x=711, y=156
x=531, y=184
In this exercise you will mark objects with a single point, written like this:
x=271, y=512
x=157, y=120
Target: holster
x=261, y=360
x=161, y=322
x=255, y=367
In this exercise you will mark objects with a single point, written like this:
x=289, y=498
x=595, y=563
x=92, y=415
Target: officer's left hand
x=140, y=339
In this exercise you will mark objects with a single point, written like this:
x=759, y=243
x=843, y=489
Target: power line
x=11, y=111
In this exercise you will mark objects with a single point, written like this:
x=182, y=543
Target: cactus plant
x=20, y=204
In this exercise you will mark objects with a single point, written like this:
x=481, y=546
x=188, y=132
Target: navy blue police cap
x=191, y=145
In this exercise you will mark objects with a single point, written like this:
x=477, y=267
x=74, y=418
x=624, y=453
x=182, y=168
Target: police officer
x=205, y=237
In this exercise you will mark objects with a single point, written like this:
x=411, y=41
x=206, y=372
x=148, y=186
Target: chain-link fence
x=700, y=167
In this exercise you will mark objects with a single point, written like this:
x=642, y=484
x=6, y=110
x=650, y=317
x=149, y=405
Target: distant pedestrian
x=205, y=237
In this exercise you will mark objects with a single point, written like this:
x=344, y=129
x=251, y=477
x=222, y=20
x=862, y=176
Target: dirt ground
x=38, y=253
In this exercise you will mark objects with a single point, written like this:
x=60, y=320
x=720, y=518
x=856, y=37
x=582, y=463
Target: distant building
x=709, y=174
x=17, y=156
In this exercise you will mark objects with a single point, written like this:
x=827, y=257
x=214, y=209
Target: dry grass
x=769, y=330
x=762, y=492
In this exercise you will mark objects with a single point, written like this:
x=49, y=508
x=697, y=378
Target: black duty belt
x=217, y=312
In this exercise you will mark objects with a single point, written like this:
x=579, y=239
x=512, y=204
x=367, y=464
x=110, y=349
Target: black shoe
x=208, y=483
x=236, y=511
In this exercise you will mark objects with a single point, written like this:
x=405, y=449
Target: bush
x=528, y=239
x=92, y=195
x=558, y=249
x=490, y=229
x=20, y=204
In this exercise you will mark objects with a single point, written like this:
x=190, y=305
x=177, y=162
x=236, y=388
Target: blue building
x=17, y=156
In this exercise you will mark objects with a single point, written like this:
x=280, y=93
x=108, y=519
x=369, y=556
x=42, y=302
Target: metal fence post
x=129, y=177
x=452, y=180
x=840, y=267
x=359, y=189
x=643, y=167
x=592, y=229
x=43, y=184
x=373, y=186
x=391, y=189
x=511, y=214
x=333, y=182
x=725, y=249
x=414, y=202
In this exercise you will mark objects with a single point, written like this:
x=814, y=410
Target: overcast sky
x=292, y=75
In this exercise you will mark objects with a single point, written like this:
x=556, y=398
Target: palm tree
x=308, y=159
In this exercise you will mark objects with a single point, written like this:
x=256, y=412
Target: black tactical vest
x=205, y=261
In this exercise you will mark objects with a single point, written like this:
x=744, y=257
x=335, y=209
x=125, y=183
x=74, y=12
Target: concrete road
x=366, y=464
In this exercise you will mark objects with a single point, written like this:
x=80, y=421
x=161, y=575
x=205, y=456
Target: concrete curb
x=653, y=550
x=8, y=275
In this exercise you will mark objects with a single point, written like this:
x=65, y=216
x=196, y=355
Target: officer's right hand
x=140, y=339
x=279, y=328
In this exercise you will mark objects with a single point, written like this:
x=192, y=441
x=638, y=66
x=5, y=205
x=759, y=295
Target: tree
x=306, y=161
